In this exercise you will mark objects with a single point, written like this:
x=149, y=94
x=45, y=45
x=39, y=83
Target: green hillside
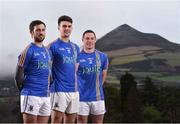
x=166, y=71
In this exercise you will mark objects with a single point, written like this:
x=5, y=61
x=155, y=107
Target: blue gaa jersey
x=64, y=56
x=35, y=61
x=91, y=66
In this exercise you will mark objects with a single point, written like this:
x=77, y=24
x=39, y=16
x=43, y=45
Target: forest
x=127, y=102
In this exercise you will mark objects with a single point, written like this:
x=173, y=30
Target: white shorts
x=94, y=108
x=65, y=102
x=36, y=105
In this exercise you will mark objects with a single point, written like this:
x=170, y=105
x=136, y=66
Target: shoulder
x=51, y=44
x=25, y=54
x=74, y=45
x=27, y=49
x=101, y=53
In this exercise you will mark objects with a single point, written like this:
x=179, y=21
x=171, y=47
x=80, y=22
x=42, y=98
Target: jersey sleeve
x=51, y=50
x=78, y=57
x=105, y=62
x=25, y=57
x=78, y=51
x=49, y=53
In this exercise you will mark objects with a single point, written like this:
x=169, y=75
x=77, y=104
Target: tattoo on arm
x=19, y=77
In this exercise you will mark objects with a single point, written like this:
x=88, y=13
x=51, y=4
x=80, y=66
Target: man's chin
x=67, y=36
x=39, y=40
x=89, y=48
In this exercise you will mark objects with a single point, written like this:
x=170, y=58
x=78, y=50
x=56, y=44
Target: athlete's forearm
x=19, y=77
x=104, y=74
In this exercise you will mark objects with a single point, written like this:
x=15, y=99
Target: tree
x=126, y=82
x=169, y=101
x=150, y=92
x=112, y=101
x=151, y=114
x=133, y=106
x=130, y=103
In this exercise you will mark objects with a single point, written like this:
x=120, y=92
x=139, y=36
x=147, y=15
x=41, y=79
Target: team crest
x=56, y=105
x=44, y=54
x=31, y=108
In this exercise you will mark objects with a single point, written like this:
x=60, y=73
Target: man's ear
x=31, y=34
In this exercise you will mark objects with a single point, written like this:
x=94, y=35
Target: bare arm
x=19, y=77
x=104, y=74
x=76, y=67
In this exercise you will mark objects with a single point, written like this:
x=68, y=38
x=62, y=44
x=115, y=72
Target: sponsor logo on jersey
x=43, y=64
x=36, y=54
x=68, y=50
x=68, y=59
x=82, y=60
x=88, y=70
x=44, y=54
x=61, y=49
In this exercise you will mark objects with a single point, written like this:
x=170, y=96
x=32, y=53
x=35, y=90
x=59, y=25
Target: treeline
x=146, y=103
x=126, y=102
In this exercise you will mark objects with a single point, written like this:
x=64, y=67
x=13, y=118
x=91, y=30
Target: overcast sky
x=150, y=16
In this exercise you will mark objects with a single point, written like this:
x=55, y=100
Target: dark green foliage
x=126, y=82
x=169, y=103
x=130, y=102
x=112, y=100
x=150, y=92
x=10, y=110
x=150, y=114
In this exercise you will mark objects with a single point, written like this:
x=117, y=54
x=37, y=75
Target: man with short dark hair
x=92, y=71
x=64, y=92
x=33, y=77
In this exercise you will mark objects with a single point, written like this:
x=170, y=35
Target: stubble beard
x=39, y=39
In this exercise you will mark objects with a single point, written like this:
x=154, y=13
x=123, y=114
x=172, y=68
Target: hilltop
x=143, y=54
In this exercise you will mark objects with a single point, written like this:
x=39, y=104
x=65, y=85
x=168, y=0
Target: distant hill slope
x=143, y=54
x=126, y=36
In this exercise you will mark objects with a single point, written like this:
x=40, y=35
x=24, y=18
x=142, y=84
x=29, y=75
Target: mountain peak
x=125, y=27
x=126, y=36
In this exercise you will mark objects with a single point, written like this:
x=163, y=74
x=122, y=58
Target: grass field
x=157, y=76
x=127, y=59
x=112, y=79
x=169, y=78
x=144, y=74
x=173, y=59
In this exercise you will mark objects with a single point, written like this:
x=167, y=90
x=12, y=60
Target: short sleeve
x=78, y=51
x=105, y=62
x=25, y=57
x=51, y=50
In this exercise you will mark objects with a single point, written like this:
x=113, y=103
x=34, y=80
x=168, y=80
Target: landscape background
x=142, y=54
x=143, y=82
x=140, y=37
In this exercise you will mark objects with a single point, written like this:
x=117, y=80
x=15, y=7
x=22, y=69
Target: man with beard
x=92, y=71
x=33, y=77
x=64, y=92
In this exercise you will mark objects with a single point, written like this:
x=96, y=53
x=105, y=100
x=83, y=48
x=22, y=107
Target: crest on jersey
x=31, y=108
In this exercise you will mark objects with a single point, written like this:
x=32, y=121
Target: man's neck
x=39, y=44
x=65, y=39
x=89, y=50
